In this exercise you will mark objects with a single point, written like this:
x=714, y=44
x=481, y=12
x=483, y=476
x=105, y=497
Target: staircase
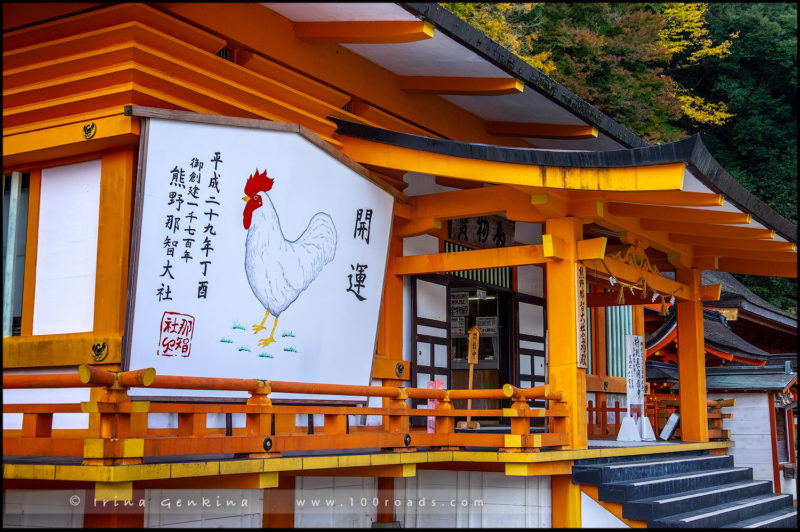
x=690, y=489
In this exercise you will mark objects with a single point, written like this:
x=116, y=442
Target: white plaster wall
x=203, y=508
x=750, y=432
x=43, y=508
x=335, y=502
x=528, y=233
x=593, y=515
x=530, y=280
x=419, y=184
x=472, y=499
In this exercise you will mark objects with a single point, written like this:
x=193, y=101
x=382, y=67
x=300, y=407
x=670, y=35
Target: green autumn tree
x=665, y=70
x=758, y=145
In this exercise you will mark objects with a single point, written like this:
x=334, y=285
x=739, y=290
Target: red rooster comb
x=257, y=182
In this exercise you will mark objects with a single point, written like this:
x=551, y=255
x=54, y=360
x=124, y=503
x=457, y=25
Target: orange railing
x=598, y=425
x=118, y=430
x=664, y=407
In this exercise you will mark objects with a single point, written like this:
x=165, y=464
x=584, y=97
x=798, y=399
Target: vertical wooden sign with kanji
x=582, y=335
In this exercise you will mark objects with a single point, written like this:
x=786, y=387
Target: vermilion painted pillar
x=563, y=371
x=692, y=361
x=278, y=508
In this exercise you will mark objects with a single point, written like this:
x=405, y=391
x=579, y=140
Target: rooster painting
x=279, y=269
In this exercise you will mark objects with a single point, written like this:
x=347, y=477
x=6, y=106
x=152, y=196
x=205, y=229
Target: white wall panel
x=203, y=508
x=472, y=499
x=66, y=256
x=342, y=502
x=43, y=508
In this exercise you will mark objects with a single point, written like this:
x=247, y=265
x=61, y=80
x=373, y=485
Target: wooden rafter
x=699, y=229
x=758, y=267
x=364, y=32
x=677, y=214
x=461, y=85
x=541, y=130
x=733, y=243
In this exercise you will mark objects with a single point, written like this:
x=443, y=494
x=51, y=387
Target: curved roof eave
x=460, y=31
x=690, y=151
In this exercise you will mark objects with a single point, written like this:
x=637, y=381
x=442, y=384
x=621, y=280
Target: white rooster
x=278, y=269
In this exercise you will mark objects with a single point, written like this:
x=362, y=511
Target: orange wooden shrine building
x=513, y=206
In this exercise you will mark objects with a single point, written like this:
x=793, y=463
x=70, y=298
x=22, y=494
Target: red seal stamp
x=176, y=335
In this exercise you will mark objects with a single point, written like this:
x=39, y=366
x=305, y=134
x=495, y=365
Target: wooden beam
x=654, y=177
x=364, y=32
x=699, y=229
x=669, y=197
x=468, y=203
x=677, y=214
x=632, y=274
x=594, y=248
x=469, y=260
x=698, y=263
x=733, y=243
x=542, y=131
x=710, y=292
x=550, y=204
x=552, y=247
x=460, y=85
x=759, y=267
x=764, y=256
x=416, y=227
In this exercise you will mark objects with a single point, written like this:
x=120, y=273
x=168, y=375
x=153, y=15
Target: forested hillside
x=669, y=70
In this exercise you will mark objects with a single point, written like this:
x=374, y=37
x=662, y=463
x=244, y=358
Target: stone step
x=679, y=503
x=724, y=514
x=640, y=457
x=597, y=474
x=784, y=518
x=673, y=484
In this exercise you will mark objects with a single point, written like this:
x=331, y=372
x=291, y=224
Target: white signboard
x=260, y=255
x=458, y=326
x=487, y=325
x=634, y=358
x=459, y=303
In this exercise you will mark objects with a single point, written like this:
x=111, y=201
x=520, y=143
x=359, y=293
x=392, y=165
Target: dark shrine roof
x=735, y=294
x=731, y=377
x=718, y=335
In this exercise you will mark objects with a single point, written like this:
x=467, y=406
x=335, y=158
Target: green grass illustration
x=264, y=355
x=226, y=340
x=287, y=333
x=290, y=349
x=237, y=326
x=244, y=348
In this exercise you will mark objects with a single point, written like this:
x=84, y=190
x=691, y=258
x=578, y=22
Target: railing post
x=114, y=418
x=37, y=425
x=400, y=423
x=446, y=424
x=603, y=419
x=259, y=423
